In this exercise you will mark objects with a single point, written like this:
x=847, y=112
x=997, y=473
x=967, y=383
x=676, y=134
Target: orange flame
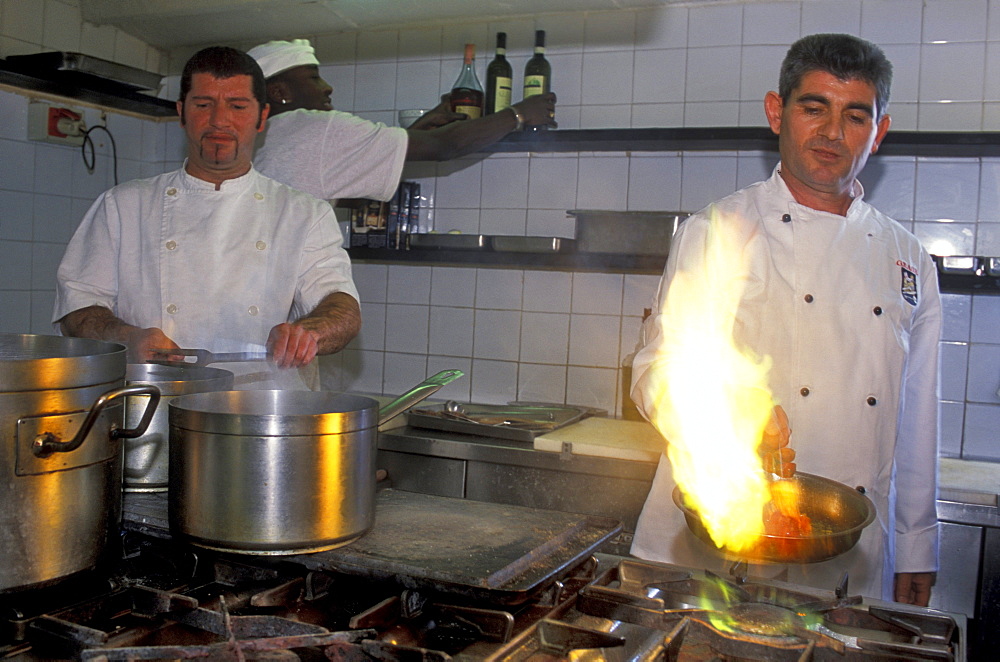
x=712, y=398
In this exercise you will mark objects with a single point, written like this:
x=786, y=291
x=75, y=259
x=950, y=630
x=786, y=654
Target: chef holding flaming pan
x=845, y=303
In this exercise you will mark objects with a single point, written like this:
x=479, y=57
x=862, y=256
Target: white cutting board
x=605, y=437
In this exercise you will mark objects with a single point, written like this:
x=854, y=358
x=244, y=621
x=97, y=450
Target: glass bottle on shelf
x=467, y=92
x=499, y=76
x=538, y=72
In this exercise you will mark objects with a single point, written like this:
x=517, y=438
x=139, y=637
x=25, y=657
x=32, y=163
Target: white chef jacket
x=848, y=308
x=332, y=155
x=214, y=269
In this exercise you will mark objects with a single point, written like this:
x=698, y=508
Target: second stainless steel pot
x=277, y=472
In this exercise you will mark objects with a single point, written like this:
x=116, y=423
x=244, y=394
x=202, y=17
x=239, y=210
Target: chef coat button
x=171, y=191
x=877, y=310
x=261, y=245
x=171, y=245
x=871, y=401
x=258, y=196
x=808, y=298
x=804, y=391
x=171, y=309
x=253, y=310
x=786, y=218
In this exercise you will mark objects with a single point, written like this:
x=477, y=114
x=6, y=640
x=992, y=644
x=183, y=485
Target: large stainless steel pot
x=146, y=456
x=61, y=458
x=838, y=513
x=277, y=472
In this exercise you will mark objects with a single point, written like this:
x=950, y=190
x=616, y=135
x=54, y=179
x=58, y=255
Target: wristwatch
x=519, y=117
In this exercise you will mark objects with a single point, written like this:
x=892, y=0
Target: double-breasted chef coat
x=214, y=269
x=848, y=309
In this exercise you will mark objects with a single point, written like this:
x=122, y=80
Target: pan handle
x=419, y=392
x=47, y=443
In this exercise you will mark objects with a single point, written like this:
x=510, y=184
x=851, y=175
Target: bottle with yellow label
x=467, y=93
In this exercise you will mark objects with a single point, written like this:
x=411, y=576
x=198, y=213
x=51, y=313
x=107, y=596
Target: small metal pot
x=277, y=472
x=60, y=454
x=146, y=456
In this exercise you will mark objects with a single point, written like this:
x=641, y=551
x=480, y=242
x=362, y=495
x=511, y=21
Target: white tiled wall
x=548, y=335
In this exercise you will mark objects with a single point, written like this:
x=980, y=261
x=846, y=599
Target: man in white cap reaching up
x=333, y=154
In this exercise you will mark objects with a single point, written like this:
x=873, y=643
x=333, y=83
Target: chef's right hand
x=538, y=110
x=774, y=452
x=142, y=342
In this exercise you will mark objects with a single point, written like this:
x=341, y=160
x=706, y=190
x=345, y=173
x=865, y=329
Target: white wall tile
x=53, y=219
x=771, y=23
x=451, y=331
x=890, y=185
x=982, y=432
x=416, y=85
x=985, y=313
x=564, y=33
x=759, y=73
x=338, y=48
x=54, y=168
x=372, y=334
x=988, y=239
x=713, y=74
x=654, y=183
x=406, y=328
x=362, y=371
x=504, y=222
x=609, y=31
x=952, y=72
x=373, y=86
x=957, y=317
x=608, y=77
x=547, y=291
x=841, y=16
x=505, y=182
x=544, y=338
x=891, y=21
x=905, y=60
x=639, y=293
x=42, y=304
x=706, y=178
x=493, y=382
x=954, y=362
x=989, y=191
x=753, y=167
x=597, y=293
x=712, y=113
x=715, y=25
x=664, y=26
x=593, y=341
x=15, y=267
x=497, y=334
x=946, y=238
x=954, y=20
x=45, y=259
x=567, y=81
x=16, y=215
x=602, y=183
x=951, y=419
x=984, y=374
x=24, y=19
x=947, y=190
x=459, y=184
x=17, y=165
x=453, y=286
x=371, y=281
x=552, y=183
x=404, y=371
x=378, y=46
x=659, y=75
x=604, y=117
x=499, y=289
x=409, y=284
x=541, y=383
x=591, y=387
x=17, y=312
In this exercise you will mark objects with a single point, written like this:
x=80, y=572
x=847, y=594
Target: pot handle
x=419, y=392
x=48, y=443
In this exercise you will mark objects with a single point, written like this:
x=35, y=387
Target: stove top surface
x=160, y=599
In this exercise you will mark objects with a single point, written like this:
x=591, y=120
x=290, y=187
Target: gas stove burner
x=762, y=619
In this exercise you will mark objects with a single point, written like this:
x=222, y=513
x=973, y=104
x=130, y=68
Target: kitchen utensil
x=838, y=513
x=277, y=472
x=203, y=357
x=146, y=456
x=61, y=459
x=513, y=422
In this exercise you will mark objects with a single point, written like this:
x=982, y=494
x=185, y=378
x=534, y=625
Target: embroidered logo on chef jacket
x=908, y=286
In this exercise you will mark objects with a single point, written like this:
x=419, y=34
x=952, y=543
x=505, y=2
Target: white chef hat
x=277, y=56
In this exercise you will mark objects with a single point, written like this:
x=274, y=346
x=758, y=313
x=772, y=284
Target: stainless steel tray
x=516, y=422
x=87, y=64
x=462, y=242
x=515, y=244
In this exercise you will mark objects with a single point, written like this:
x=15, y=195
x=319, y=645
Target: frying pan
x=839, y=514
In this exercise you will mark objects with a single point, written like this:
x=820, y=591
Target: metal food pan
x=462, y=242
x=515, y=244
x=625, y=232
x=517, y=422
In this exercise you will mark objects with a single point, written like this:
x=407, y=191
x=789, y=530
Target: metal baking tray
x=460, y=242
x=36, y=64
x=486, y=551
x=515, y=244
x=518, y=422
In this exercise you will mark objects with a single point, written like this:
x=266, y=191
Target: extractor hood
x=85, y=78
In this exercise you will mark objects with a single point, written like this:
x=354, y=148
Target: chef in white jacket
x=845, y=301
x=213, y=255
